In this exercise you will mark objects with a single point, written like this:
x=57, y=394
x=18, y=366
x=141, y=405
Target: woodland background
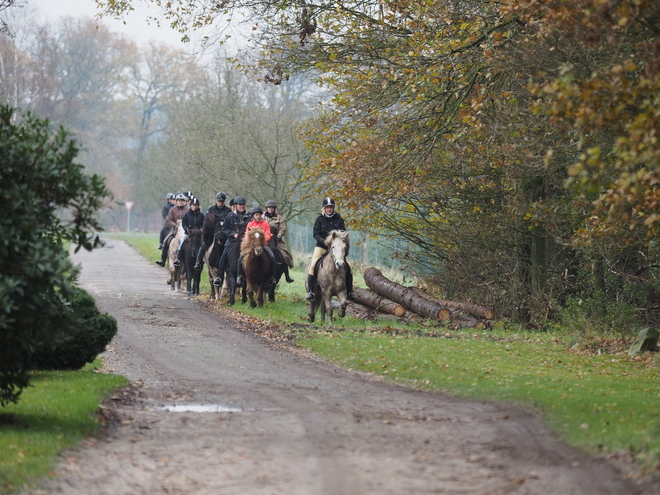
x=511, y=144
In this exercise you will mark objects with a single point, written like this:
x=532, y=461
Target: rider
x=173, y=216
x=234, y=229
x=326, y=222
x=278, y=222
x=194, y=219
x=166, y=209
x=258, y=222
x=220, y=211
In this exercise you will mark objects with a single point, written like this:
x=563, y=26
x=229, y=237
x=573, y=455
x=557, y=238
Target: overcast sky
x=135, y=27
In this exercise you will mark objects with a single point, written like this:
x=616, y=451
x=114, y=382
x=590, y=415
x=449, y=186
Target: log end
x=444, y=314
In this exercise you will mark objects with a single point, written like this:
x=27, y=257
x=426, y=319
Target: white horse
x=331, y=277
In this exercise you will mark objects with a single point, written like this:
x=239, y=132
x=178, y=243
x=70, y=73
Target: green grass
x=598, y=402
x=53, y=414
x=602, y=403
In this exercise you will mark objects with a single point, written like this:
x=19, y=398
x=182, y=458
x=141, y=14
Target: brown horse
x=331, y=277
x=256, y=265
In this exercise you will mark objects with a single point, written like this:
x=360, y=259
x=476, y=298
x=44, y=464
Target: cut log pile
x=399, y=301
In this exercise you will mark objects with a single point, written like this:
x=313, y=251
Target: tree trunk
x=405, y=296
x=472, y=309
x=373, y=300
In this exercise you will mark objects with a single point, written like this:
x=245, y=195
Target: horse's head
x=253, y=243
x=338, y=242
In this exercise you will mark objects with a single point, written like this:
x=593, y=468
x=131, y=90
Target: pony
x=331, y=276
x=280, y=262
x=213, y=247
x=190, y=249
x=231, y=272
x=256, y=265
x=174, y=279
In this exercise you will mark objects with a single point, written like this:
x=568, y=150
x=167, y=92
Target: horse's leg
x=260, y=296
x=250, y=292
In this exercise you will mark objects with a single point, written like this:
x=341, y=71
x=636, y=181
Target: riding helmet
x=270, y=202
x=239, y=200
x=220, y=196
x=257, y=209
x=194, y=201
x=328, y=202
x=231, y=202
x=169, y=196
x=189, y=194
x=180, y=196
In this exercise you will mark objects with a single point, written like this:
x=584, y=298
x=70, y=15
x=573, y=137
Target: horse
x=256, y=265
x=280, y=262
x=190, y=249
x=231, y=272
x=331, y=276
x=174, y=279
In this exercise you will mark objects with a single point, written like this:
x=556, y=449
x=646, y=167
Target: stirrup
x=176, y=263
x=197, y=267
x=239, y=281
x=309, y=296
x=272, y=281
x=160, y=247
x=352, y=296
x=217, y=282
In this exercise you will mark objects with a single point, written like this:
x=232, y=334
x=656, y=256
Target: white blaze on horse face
x=338, y=253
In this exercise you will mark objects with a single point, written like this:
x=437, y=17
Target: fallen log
x=470, y=308
x=362, y=312
x=373, y=300
x=404, y=295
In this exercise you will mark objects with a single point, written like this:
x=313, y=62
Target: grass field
x=55, y=413
x=600, y=402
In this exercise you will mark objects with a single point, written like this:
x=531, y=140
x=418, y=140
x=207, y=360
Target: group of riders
x=231, y=224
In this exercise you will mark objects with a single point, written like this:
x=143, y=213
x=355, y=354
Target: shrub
x=95, y=332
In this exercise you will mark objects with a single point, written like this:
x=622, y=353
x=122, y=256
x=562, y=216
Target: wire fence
x=365, y=249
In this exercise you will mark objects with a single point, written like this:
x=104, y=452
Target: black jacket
x=324, y=225
x=235, y=223
x=192, y=220
x=220, y=215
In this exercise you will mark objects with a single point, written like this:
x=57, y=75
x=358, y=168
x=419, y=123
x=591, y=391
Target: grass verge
x=55, y=413
x=604, y=403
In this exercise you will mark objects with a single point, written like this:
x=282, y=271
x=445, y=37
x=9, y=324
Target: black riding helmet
x=256, y=209
x=220, y=196
x=328, y=202
x=169, y=196
x=231, y=202
x=194, y=201
x=270, y=203
x=239, y=200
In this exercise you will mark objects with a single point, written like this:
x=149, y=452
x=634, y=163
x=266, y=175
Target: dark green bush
x=95, y=331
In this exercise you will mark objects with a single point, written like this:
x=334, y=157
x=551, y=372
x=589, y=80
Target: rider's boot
x=311, y=282
x=273, y=266
x=198, y=260
x=177, y=261
x=349, y=286
x=163, y=253
x=286, y=274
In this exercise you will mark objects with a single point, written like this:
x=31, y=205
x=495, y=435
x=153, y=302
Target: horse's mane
x=339, y=234
x=208, y=228
x=248, y=239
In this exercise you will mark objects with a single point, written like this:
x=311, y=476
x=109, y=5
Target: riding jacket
x=235, y=223
x=263, y=225
x=220, y=215
x=175, y=214
x=324, y=225
x=194, y=219
x=166, y=209
x=278, y=222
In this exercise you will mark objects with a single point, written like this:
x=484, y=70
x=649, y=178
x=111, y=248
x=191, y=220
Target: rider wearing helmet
x=169, y=197
x=194, y=219
x=278, y=227
x=326, y=222
x=234, y=229
x=173, y=216
x=220, y=212
x=258, y=222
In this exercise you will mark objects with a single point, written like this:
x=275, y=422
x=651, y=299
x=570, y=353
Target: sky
x=134, y=26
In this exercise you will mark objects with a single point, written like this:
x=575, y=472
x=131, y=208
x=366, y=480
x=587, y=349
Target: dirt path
x=289, y=424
